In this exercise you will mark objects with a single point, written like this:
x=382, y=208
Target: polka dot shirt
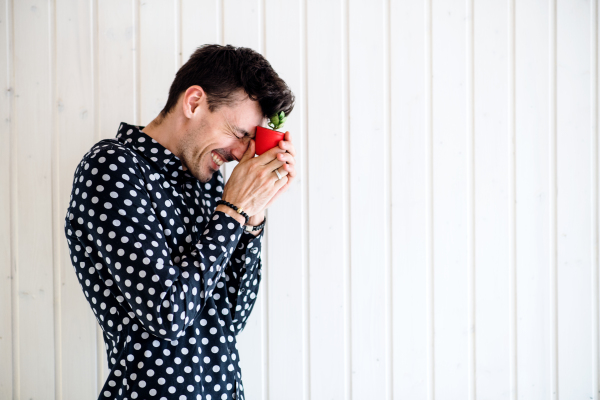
x=170, y=280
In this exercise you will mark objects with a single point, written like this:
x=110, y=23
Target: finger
x=269, y=155
x=274, y=164
x=282, y=172
x=289, y=168
x=281, y=182
x=249, y=151
x=287, y=146
x=284, y=175
x=286, y=157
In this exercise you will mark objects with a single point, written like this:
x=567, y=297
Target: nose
x=239, y=150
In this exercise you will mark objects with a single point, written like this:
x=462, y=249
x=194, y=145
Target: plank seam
x=553, y=206
x=55, y=202
x=265, y=320
x=266, y=334
x=346, y=202
x=95, y=68
x=471, y=296
x=512, y=200
x=429, y=200
x=594, y=199
x=99, y=342
x=178, y=35
x=137, y=81
x=16, y=360
x=262, y=35
x=305, y=209
x=388, y=210
x=220, y=23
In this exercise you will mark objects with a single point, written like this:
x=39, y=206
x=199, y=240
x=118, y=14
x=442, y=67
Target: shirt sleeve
x=112, y=215
x=246, y=269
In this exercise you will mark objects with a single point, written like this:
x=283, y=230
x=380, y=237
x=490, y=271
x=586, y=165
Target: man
x=171, y=276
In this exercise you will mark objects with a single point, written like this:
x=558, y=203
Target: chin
x=206, y=175
x=204, y=180
x=202, y=174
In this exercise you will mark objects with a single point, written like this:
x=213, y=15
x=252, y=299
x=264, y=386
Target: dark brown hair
x=223, y=70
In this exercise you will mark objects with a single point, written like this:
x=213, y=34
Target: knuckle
x=253, y=167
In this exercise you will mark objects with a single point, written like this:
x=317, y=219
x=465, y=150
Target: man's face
x=218, y=137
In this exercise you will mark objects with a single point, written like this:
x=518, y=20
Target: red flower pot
x=266, y=139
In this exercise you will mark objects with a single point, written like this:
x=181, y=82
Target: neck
x=165, y=131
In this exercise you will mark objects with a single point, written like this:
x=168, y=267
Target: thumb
x=249, y=154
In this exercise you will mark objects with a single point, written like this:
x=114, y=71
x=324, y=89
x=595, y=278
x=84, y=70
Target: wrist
x=232, y=213
x=257, y=219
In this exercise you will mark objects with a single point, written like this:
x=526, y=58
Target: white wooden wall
x=441, y=241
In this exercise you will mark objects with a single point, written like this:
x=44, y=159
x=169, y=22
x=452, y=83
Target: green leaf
x=275, y=119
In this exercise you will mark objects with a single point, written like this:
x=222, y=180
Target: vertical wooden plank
x=408, y=197
x=346, y=201
x=239, y=25
x=286, y=274
x=533, y=311
x=594, y=204
x=199, y=25
x=429, y=239
x=367, y=147
x=75, y=135
x=470, y=203
x=242, y=26
x=303, y=173
x=159, y=56
x=7, y=373
x=117, y=92
x=33, y=104
x=450, y=197
x=512, y=203
x=117, y=49
x=327, y=218
x=573, y=211
x=492, y=218
x=250, y=346
x=387, y=200
x=553, y=198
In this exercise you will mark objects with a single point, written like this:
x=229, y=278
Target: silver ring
x=278, y=176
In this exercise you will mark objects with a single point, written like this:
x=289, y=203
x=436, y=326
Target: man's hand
x=290, y=165
x=253, y=182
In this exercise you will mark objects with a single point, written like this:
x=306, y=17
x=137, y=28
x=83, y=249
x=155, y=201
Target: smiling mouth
x=217, y=158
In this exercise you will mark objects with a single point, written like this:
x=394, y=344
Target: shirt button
x=242, y=290
x=229, y=350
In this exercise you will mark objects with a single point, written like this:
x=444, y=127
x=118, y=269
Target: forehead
x=243, y=116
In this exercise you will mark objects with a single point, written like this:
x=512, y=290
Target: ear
x=193, y=99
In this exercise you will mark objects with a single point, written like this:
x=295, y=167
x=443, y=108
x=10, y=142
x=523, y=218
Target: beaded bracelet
x=239, y=210
x=250, y=228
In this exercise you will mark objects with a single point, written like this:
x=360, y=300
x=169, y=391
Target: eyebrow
x=242, y=131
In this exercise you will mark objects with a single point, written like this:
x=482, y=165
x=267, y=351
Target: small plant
x=277, y=120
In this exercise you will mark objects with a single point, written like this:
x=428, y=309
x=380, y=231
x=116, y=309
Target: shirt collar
x=153, y=151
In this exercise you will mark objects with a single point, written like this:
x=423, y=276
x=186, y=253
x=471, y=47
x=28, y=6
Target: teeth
x=216, y=159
